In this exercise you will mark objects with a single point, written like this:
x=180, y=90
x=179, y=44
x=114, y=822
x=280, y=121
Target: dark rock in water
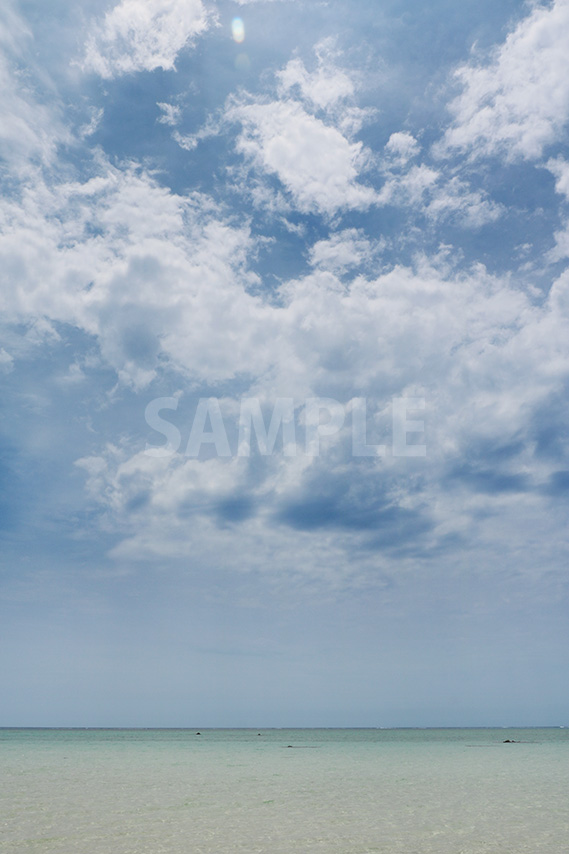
x=509, y=741
x=289, y=745
x=198, y=733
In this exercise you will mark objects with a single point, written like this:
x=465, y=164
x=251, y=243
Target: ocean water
x=358, y=791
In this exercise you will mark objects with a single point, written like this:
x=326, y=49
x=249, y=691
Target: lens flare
x=242, y=62
x=238, y=30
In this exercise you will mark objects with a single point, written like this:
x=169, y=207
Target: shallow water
x=332, y=791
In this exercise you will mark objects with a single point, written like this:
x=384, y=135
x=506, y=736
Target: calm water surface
x=332, y=791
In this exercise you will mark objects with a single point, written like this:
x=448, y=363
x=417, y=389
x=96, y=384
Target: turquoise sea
x=335, y=791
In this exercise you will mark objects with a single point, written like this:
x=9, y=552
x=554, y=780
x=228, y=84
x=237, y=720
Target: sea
x=278, y=791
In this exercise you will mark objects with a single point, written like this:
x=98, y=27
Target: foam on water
x=333, y=791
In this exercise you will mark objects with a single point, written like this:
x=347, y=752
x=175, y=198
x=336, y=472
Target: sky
x=284, y=358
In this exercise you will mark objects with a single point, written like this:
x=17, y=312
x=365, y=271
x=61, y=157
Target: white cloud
x=90, y=128
x=454, y=199
x=315, y=162
x=409, y=188
x=89, y=254
x=518, y=103
x=175, y=288
x=319, y=164
x=304, y=136
x=189, y=141
x=402, y=146
x=186, y=141
x=171, y=114
x=436, y=197
x=345, y=249
x=30, y=122
x=322, y=88
x=484, y=357
x=6, y=361
x=560, y=169
x=561, y=247
x=142, y=35
x=162, y=281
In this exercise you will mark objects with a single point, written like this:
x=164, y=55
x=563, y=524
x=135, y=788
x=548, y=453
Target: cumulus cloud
x=560, y=169
x=487, y=361
x=173, y=290
x=313, y=160
x=402, y=146
x=142, y=35
x=561, y=248
x=163, y=284
x=304, y=136
x=430, y=193
x=91, y=254
x=516, y=104
x=455, y=199
x=342, y=250
x=306, y=139
x=322, y=88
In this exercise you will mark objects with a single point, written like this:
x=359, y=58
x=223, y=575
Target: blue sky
x=347, y=202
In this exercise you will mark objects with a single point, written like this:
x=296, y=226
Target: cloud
x=307, y=142
x=322, y=88
x=90, y=128
x=171, y=114
x=489, y=363
x=561, y=248
x=353, y=499
x=342, y=250
x=30, y=114
x=430, y=193
x=142, y=35
x=518, y=103
x=304, y=137
x=560, y=169
x=6, y=361
x=455, y=199
x=402, y=146
x=87, y=254
x=316, y=164
x=164, y=286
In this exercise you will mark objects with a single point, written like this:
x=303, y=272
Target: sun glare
x=238, y=30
